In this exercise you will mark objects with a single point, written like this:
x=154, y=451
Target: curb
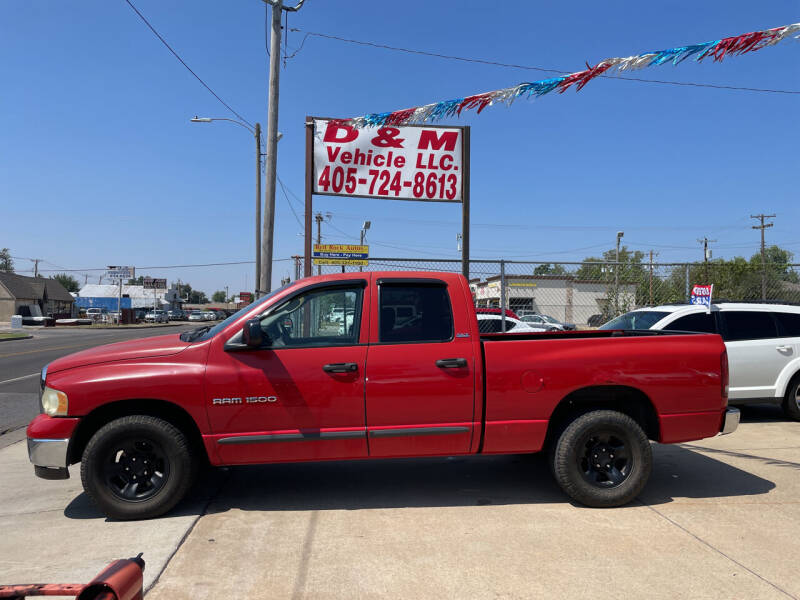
x=14, y=339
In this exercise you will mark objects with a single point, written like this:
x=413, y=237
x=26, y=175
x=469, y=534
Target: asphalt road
x=22, y=360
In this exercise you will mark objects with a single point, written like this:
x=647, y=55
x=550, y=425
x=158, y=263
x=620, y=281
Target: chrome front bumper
x=731, y=420
x=49, y=457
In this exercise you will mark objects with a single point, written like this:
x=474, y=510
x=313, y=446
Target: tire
x=164, y=472
x=791, y=404
x=614, y=440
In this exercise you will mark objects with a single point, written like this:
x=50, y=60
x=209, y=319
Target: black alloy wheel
x=602, y=458
x=136, y=469
x=605, y=461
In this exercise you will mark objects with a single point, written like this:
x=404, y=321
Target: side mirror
x=252, y=335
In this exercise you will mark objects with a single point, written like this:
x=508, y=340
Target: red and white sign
x=403, y=163
x=701, y=294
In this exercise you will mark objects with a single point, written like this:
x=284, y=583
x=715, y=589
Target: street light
x=616, y=275
x=364, y=228
x=257, y=135
x=256, y=131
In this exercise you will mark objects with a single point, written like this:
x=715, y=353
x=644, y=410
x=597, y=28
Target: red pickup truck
x=326, y=369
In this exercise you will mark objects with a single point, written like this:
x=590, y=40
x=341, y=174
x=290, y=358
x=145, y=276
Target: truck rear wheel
x=137, y=467
x=602, y=459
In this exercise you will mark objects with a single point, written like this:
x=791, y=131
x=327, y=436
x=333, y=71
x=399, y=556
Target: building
x=94, y=295
x=563, y=297
x=48, y=295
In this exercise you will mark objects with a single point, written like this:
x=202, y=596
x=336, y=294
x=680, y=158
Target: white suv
x=763, y=342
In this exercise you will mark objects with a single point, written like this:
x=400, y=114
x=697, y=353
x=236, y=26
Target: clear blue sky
x=99, y=164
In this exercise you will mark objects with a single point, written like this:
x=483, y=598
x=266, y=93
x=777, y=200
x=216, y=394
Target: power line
x=183, y=62
x=528, y=67
x=219, y=264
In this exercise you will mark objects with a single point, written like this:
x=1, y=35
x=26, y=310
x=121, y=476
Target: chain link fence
x=590, y=293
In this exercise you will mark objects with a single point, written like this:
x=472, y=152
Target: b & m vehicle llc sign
x=408, y=163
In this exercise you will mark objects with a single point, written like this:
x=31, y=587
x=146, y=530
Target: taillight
x=723, y=367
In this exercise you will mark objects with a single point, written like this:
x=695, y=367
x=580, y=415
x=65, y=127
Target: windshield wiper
x=190, y=336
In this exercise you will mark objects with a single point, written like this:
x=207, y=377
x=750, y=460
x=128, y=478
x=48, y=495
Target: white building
x=139, y=296
x=563, y=297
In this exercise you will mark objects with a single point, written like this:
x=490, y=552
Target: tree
x=68, y=281
x=196, y=297
x=6, y=262
x=549, y=269
x=218, y=296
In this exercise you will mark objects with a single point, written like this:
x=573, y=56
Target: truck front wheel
x=137, y=467
x=602, y=459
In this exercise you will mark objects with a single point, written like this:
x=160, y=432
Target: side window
x=415, y=313
x=488, y=325
x=789, y=324
x=700, y=322
x=327, y=317
x=748, y=325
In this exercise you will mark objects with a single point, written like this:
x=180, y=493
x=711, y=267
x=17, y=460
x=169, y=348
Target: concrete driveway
x=718, y=519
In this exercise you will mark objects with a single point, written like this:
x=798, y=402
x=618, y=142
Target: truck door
x=301, y=395
x=420, y=371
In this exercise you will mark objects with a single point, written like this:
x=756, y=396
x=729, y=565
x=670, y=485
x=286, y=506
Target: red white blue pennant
x=717, y=49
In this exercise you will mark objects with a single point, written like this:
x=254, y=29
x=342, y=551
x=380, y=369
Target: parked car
x=196, y=315
x=209, y=315
x=494, y=324
x=483, y=310
x=176, y=314
x=98, y=315
x=548, y=322
x=156, y=316
x=221, y=315
x=274, y=385
x=763, y=343
x=32, y=315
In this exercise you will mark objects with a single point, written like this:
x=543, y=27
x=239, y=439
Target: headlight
x=54, y=403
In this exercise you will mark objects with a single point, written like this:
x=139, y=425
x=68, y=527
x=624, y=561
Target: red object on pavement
x=120, y=580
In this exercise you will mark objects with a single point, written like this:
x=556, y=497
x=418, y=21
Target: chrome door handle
x=783, y=348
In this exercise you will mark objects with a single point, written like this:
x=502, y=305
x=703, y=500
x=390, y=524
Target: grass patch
x=12, y=336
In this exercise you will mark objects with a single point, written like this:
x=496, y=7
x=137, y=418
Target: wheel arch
x=625, y=399
x=787, y=378
x=168, y=411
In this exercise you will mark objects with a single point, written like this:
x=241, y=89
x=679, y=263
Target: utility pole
x=651, y=278
x=264, y=284
x=36, y=264
x=616, y=275
x=318, y=218
x=296, y=267
x=257, y=135
x=706, y=255
x=762, y=227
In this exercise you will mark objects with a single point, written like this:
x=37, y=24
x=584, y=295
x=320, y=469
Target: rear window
x=702, y=322
x=789, y=324
x=748, y=325
x=639, y=319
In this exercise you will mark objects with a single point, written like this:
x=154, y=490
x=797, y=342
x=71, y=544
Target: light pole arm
x=209, y=120
x=295, y=8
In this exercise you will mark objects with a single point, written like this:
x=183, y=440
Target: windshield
x=550, y=319
x=206, y=333
x=638, y=319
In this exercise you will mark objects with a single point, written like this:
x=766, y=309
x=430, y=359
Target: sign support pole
x=465, y=206
x=309, y=190
x=119, y=304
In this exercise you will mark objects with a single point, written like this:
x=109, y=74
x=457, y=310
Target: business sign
x=246, y=297
x=340, y=254
x=123, y=273
x=701, y=294
x=154, y=284
x=400, y=163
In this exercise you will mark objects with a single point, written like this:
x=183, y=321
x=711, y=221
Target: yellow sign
x=341, y=261
x=342, y=248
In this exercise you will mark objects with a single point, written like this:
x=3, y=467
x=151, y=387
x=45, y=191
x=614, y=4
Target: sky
x=100, y=165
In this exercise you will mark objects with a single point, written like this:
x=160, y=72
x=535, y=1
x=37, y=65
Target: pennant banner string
x=716, y=49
